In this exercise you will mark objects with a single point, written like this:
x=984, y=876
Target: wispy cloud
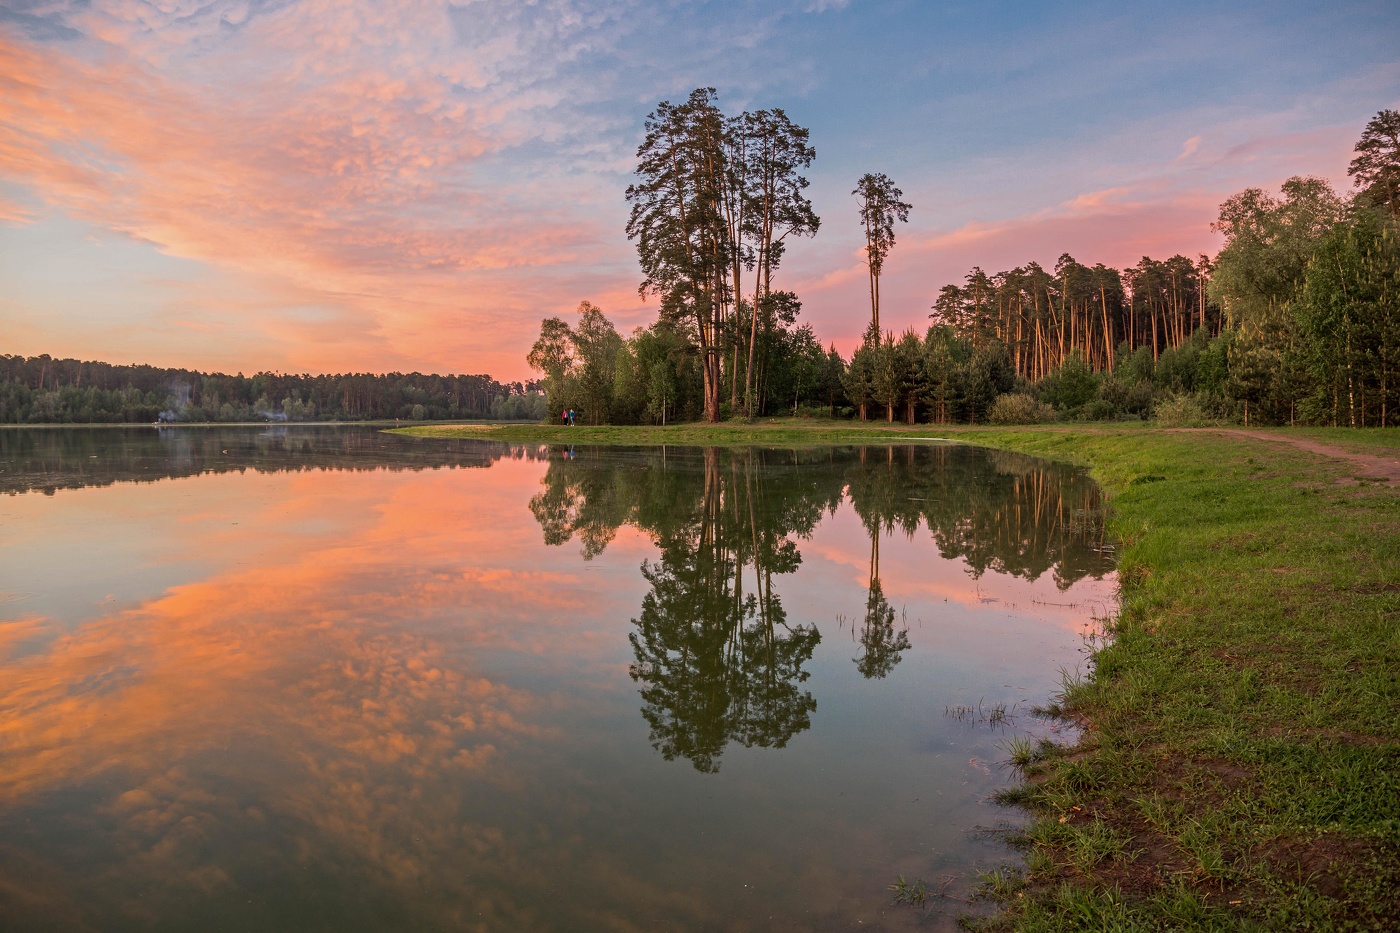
x=1188, y=148
x=363, y=169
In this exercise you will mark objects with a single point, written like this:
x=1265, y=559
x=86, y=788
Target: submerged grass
x=1240, y=765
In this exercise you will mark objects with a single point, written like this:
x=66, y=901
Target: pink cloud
x=329, y=181
x=1188, y=148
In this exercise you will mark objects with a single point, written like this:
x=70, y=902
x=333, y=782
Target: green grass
x=1241, y=763
x=782, y=432
x=1369, y=441
x=913, y=893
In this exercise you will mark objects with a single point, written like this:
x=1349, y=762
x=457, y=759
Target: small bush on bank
x=1071, y=386
x=1127, y=398
x=1100, y=410
x=1181, y=411
x=1020, y=408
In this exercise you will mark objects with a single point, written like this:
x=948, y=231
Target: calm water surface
x=328, y=678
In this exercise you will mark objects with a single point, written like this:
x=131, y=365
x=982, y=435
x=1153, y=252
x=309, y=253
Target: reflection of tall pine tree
x=879, y=493
x=718, y=664
x=881, y=648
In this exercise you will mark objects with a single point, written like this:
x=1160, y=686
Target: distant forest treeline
x=43, y=390
x=1296, y=319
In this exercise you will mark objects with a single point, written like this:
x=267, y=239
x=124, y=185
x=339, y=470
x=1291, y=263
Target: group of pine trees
x=1296, y=319
x=716, y=199
x=716, y=202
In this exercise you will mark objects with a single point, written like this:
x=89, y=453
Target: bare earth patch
x=1384, y=467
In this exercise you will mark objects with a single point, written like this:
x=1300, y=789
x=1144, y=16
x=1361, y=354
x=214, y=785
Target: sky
x=333, y=186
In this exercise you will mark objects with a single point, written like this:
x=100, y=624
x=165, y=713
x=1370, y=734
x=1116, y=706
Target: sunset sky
x=324, y=186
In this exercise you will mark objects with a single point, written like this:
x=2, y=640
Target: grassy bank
x=1241, y=763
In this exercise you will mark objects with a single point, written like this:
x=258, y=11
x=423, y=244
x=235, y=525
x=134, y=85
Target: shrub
x=1100, y=410
x=1180, y=411
x=1020, y=408
x=1127, y=398
x=1071, y=386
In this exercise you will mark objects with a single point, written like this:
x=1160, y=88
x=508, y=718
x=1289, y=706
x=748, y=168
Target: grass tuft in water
x=912, y=893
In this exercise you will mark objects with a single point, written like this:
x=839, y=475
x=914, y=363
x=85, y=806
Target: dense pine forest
x=1295, y=320
x=42, y=390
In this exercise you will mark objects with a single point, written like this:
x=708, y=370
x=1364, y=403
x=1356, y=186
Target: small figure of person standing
x=571, y=417
x=564, y=417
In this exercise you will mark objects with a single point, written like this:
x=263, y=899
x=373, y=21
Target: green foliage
x=1124, y=400
x=1070, y=387
x=1180, y=411
x=859, y=378
x=1213, y=365
x=596, y=347
x=1349, y=317
x=912, y=893
x=41, y=389
x=829, y=387
x=1020, y=408
x=981, y=379
x=1135, y=366
x=1240, y=768
x=880, y=207
x=582, y=364
x=1295, y=320
x=1176, y=369
x=1268, y=244
x=1376, y=167
x=714, y=196
x=887, y=379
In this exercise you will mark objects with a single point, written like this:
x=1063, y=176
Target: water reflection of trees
x=717, y=663
x=716, y=657
x=49, y=459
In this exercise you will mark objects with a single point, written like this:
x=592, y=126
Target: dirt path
x=1372, y=466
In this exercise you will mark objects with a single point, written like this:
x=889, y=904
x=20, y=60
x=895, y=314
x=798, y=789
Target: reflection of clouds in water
x=355, y=744
x=15, y=632
x=208, y=657
x=309, y=700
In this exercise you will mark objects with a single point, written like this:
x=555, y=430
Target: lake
x=312, y=678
